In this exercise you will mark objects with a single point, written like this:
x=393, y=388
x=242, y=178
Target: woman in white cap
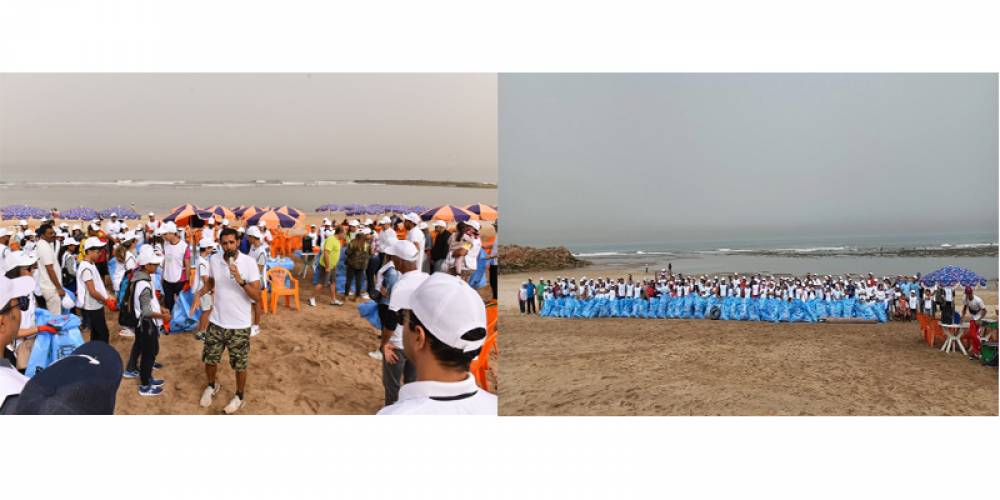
x=92, y=296
x=14, y=302
x=22, y=264
x=444, y=328
x=67, y=261
x=125, y=262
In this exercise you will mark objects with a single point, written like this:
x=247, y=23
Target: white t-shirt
x=949, y=294
x=153, y=304
x=202, y=274
x=4, y=252
x=232, y=306
x=443, y=398
x=11, y=382
x=121, y=269
x=407, y=283
x=472, y=256
x=416, y=237
x=976, y=307
x=47, y=256
x=173, y=261
x=88, y=272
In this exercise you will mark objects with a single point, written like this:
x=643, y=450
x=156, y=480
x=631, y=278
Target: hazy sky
x=248, y=126
x=659, y=158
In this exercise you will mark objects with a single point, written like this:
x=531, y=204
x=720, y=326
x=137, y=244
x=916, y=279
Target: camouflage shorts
x=218, y=339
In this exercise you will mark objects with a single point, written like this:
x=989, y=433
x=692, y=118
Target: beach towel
x=49, y=347
x=369, y=311
x=180, y=320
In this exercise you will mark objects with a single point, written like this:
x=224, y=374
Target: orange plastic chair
x=263, y=300
x=481, y=365
x=277, y=277
x=922, y=321
x=935, y=332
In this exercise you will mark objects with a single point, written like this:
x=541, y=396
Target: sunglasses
x=22, y=304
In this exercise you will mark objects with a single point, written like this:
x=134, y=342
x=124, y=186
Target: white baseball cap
x=440, y=223
x=403, y=249
x=22, y=222
x=326, y=222
x=211, y=222
x=29, y=232
x=92, y=242
x=4, y=232
x=254, y=232
x=241, y=229
x=422, y=225
x=206, y=243
x=151, y=214
x=20, y=258
x=169, y=227
x=127, y=237
x=21, y=286
x=70, y=241
x=365, y=230
x=385, y=220
x=449, y=309
x=369, y=222
x=412, y=217
x=148, y=256
x=76, y=227
x=474, y=224
x=114, y=214
x=353, y=223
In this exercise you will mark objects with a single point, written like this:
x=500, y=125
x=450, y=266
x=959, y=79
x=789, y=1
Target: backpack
x=123, y=286
x=126, y=314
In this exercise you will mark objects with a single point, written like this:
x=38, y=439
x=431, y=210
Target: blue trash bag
x=369, y=311
x=613, y=306
x=863, y=310
x=676, y=303
x=796, y=311
x=783, y=312
x=753, y=309
x=741, y=309
x=50, y=348
x=699, y=307
x=478, y=278
x=602, y=308
x=819, y=308
x=661, y=306
x=880, y=313
x=547, y=307
x=180, y=320
x=157, y=279
x=835, y=308
x=112, y=266
x=726, y=308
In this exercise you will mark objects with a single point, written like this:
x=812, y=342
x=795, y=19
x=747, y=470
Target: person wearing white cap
x=326, y=272
x=67, y=260
x=18, y=351
x=357, y=255
x=125, y=262
x=22, y=227
x=444, y=323
x=471, y=257
x=439, y=247
x=176, y=255
x=151, y=225
x=235, y=281
x=14, y=301
x=5, y=235
x=92, y=296
x=148, y=319
x=28, y=241
x=411, y=221
x=258, y=252
x=205, y=247
x=49, y=272
x=396, y=371
x=310, y=243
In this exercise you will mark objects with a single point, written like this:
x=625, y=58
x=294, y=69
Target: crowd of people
x=432, y=326
x=901, y=297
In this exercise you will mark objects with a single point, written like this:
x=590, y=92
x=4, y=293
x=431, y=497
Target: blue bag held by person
x=49, y=347
x=180, y=320
x=369, y=311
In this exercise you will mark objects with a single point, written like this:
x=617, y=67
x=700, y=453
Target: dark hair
x=229, y=231
x=44, y=228
x=13, y=272
x=447, y=355
x=339, y=230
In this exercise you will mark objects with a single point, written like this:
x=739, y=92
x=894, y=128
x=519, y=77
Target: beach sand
x=313, y=361
x=557, y=366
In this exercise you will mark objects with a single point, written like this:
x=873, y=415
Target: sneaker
x=126, y=332
x=149, y=390
x=206, y=395
x=234, y=405
x=254, y=330
x=157, y=366
x=312, y=302
x=376, y=355
x=156, y=382
x=364, y=296
x=130, y=374
x=336, y=303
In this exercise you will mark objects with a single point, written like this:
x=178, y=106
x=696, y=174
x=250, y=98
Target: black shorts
x=387, y=317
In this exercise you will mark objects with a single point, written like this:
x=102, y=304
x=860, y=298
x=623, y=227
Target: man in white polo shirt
x=176, y=256
x=235, y=281
x=49, y=271
x=396, y=370
x=445, y=327
x=259, y=253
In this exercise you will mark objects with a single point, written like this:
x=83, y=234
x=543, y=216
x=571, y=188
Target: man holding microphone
x=235, y=279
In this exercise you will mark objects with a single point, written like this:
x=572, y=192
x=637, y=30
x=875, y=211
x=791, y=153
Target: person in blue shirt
x=530, y=302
